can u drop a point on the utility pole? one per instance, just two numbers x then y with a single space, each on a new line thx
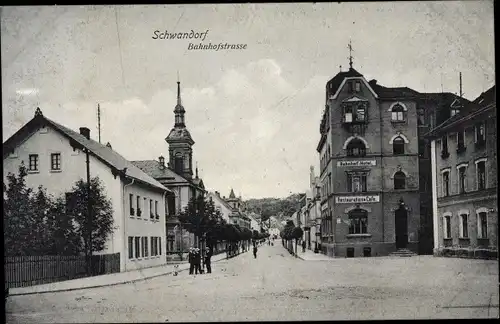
461 93
99 122
89 214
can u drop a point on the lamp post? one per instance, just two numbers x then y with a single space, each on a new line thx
89 213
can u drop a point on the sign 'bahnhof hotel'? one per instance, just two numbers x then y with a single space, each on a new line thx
375 169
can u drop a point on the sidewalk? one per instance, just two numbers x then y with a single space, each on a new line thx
106 280
309 255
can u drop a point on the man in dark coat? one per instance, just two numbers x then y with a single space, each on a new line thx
191 259
255 251
197 261
208 258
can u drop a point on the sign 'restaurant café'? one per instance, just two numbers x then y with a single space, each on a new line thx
357 199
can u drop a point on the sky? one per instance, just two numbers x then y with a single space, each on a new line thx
254 113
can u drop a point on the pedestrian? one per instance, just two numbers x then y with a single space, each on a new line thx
303 246
197 261
255 251
208 257
191 259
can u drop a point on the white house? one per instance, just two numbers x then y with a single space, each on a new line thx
56 158
254 224
221 205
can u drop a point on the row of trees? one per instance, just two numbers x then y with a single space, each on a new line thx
201 218
36 223
289 234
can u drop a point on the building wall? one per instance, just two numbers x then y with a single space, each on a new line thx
144 226
473 200
377 133
226 212
73 167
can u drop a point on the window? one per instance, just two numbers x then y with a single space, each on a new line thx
351 86
481 175
159 245
358 86
137 240
145 206
460 141
139 211
399 180
446 183
464 231
156 210
398 113
444 147
151 211
55 161
480 134
482 225
398 146
358 220
130 247
145 246
131 204
356 147
178 163
356 182
462 178
420 117
447 226
354 112
454 111
33 162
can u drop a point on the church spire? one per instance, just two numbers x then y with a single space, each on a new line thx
179 110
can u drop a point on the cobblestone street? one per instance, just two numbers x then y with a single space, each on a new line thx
277 286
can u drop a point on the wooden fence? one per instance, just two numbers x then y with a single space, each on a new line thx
23 271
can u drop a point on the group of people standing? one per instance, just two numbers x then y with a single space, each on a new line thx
195 256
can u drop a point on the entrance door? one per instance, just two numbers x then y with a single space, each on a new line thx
401 217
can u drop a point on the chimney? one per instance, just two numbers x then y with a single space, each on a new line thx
373 82
85 132
162 162
108 144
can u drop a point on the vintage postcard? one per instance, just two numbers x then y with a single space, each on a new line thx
249 162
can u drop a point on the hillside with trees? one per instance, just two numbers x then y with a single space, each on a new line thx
281 208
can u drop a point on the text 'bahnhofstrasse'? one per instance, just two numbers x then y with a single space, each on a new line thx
198 35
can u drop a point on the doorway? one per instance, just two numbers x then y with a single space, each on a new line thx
401 219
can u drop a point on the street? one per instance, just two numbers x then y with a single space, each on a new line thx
276 287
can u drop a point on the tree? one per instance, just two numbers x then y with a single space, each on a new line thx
101 212
296 234
200 217
19 219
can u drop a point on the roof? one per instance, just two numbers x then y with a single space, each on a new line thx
222 201
157 171
333 85
102 152
162 173
231 194
393 92
179 134
470 110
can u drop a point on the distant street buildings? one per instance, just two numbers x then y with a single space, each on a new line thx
464 178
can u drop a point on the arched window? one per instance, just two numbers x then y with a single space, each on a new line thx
356 147
398 146
398 113
358 221
178 163
399 180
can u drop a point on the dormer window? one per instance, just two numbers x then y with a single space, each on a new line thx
357 86
398 113
454 111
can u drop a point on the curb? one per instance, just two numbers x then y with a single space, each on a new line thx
105 285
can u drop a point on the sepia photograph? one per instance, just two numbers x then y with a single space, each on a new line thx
249 162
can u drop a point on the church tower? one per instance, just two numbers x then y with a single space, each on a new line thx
180 143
